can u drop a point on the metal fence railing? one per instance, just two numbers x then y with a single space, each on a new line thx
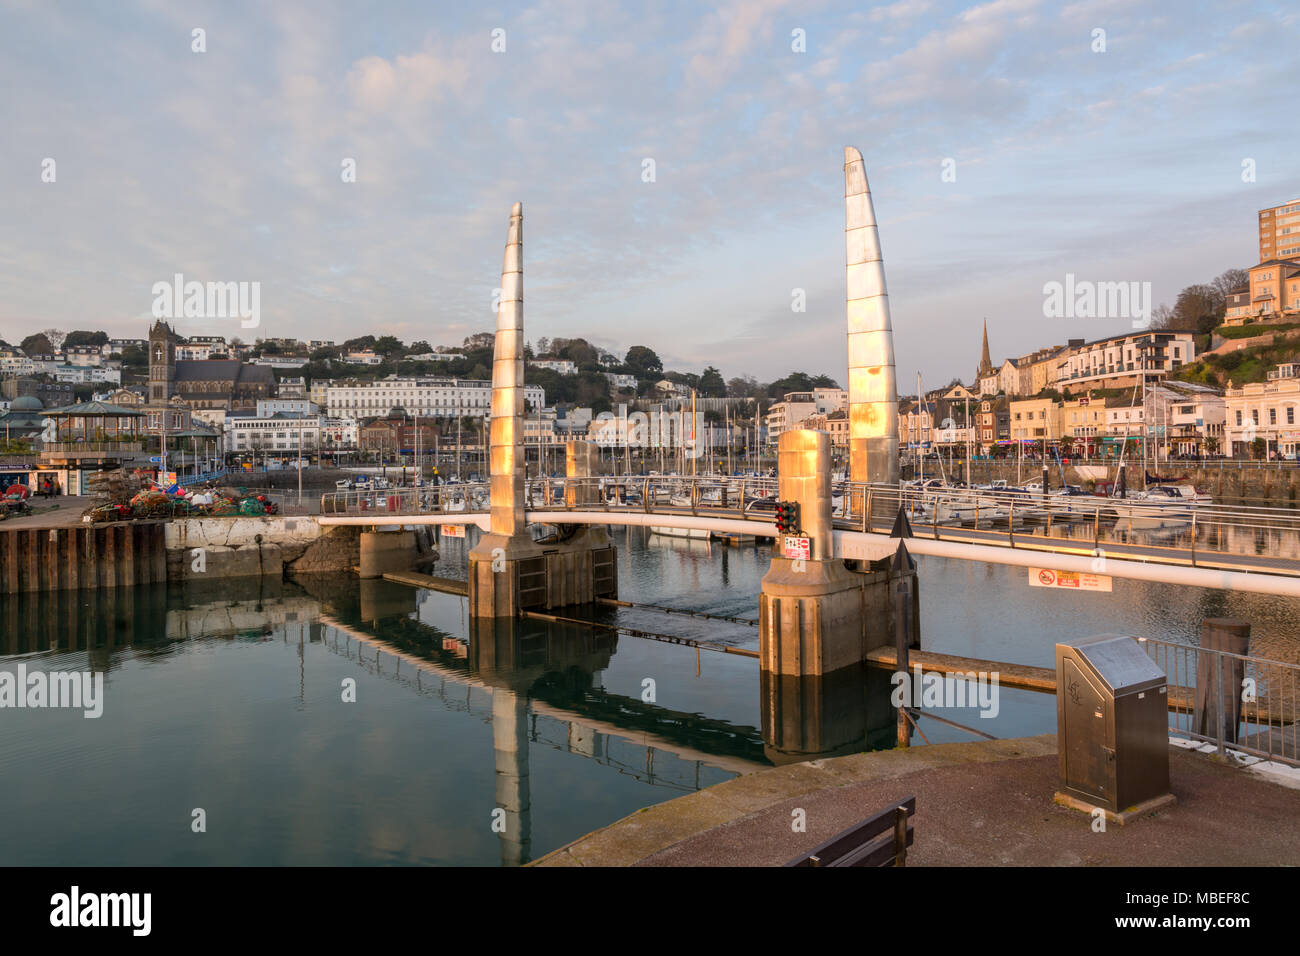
186 480
427 499
1235 701
1191 532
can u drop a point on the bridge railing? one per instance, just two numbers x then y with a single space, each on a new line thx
1197 533
426 499
1235 701
655 494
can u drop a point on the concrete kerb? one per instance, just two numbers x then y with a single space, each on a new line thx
651 829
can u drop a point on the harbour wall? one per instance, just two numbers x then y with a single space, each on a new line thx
186 551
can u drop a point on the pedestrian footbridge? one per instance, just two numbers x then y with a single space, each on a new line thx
1236 548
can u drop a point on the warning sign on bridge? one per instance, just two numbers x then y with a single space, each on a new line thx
1074 580
454 530
796 548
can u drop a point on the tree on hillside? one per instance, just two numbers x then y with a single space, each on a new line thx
794 382
1162 317
480 340
36 344
82 337
643 361
135 356
578 351
1230 281
711 384
743 386
1199 308
421 347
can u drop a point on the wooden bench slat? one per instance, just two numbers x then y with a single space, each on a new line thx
879 852
858 836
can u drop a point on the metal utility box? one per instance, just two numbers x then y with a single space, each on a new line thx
1112 722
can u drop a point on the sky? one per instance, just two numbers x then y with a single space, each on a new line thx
1007 144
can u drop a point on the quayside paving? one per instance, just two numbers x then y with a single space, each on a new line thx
977 804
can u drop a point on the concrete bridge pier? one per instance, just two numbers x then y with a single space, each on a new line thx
818 620
508 570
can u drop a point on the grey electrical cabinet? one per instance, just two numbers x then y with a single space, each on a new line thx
1112 722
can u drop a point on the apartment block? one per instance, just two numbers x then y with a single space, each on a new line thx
1279 231
1122 361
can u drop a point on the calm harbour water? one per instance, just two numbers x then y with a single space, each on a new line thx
231 702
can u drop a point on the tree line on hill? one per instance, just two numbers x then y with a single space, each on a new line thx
1200 307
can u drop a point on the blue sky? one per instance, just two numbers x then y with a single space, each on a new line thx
225 165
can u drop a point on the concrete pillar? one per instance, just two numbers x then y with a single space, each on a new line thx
384 551
810 610
582 462
873 390
817 621
493 561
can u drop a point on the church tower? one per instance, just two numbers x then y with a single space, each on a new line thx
986 361
162 363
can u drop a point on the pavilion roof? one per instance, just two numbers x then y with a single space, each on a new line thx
93 410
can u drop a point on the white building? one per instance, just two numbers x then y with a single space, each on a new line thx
363 357
448 398
198 351
621 381
1186 418
81 374
1267 411
797 407
1122 361
15 362
83 355
115 346
281 361
279 433
562 366
266 407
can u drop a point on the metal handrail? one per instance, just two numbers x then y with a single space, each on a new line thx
1000 517
1273 700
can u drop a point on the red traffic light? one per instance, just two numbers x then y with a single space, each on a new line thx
787 517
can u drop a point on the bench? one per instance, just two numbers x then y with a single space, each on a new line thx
881 840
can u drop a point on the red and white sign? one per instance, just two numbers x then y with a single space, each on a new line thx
454 530
796 549
1073 580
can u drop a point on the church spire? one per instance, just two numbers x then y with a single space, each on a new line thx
986 361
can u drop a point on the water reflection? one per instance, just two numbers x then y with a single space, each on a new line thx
472 743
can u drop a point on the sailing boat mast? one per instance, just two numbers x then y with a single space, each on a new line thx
695 448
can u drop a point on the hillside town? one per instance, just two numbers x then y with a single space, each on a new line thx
1216 376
